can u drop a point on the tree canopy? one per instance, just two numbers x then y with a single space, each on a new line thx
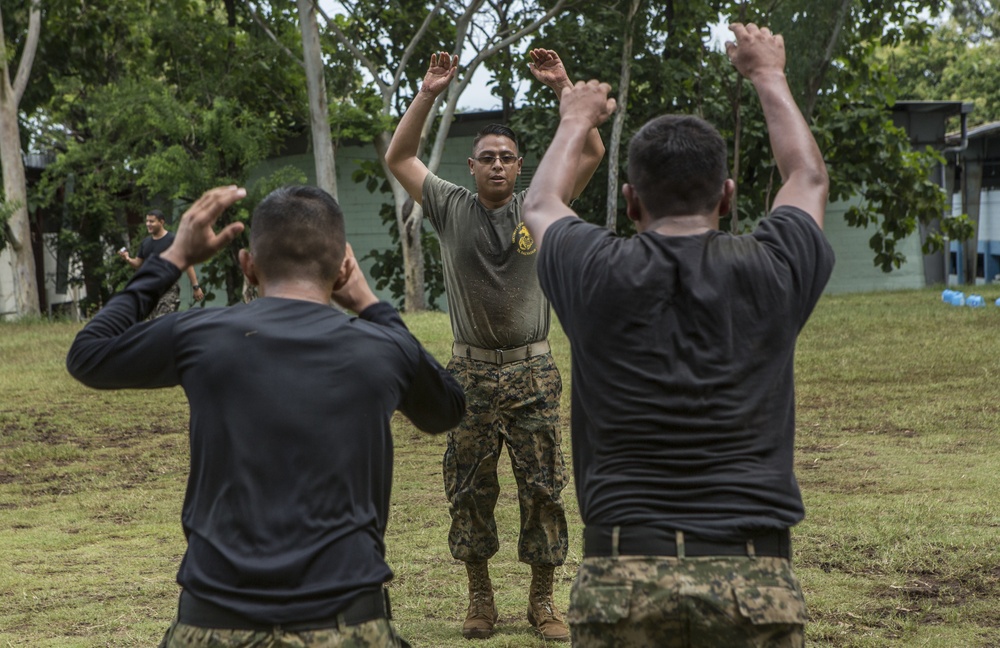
151 103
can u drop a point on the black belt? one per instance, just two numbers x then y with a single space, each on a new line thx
649 541
364 607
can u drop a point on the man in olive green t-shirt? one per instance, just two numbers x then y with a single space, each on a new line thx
500 320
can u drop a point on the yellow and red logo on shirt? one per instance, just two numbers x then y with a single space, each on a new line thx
522 239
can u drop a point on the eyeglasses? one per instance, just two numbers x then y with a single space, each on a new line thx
488 160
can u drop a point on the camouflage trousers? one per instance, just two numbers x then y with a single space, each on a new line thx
655 601
371 634
169 302
516 404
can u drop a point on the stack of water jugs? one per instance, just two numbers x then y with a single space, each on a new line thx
958 298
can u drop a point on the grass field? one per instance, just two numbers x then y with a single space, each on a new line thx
898 457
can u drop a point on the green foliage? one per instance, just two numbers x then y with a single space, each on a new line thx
383 30
7 209
958 63
387 268
158 104
840 83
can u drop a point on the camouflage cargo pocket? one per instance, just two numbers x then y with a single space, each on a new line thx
766 605
604 604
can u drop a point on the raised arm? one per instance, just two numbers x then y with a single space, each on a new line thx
548 68
402 156
759 56
582 108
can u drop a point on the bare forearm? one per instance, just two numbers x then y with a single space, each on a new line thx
792 142
592 153
554 181
590 159
405 142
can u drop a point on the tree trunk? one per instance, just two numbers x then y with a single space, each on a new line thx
815 80
22 272
409 221
611 218
319 115
413 257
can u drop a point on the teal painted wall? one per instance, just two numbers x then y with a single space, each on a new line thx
854 270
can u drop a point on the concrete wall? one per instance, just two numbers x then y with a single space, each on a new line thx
855 270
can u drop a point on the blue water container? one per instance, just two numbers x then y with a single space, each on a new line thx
975 301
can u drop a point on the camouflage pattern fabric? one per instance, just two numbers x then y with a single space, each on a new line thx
516 404
371 634
737 602
169 302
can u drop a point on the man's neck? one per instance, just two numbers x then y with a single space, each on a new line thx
494 204
301 290
158 235
688 225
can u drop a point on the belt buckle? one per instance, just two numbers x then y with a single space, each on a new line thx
499 356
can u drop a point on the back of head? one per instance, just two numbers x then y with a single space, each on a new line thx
677 166
297 232
495 129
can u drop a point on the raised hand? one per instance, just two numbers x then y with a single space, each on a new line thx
588 102
440 72
196 241
548 68
756 50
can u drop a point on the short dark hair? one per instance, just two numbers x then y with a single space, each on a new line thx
298 231
677 165
495 129
157 213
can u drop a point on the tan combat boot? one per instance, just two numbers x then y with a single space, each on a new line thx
542 612
482 614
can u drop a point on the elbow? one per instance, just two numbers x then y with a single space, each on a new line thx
392 161
815 179
530 209
449 419
532 215
820 180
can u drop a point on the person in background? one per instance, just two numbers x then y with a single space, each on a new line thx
159 239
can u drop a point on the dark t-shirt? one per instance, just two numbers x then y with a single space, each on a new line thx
683 346
291 451
151 247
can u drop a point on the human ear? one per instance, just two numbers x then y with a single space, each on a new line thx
633 206
728 190
347 267
248 267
